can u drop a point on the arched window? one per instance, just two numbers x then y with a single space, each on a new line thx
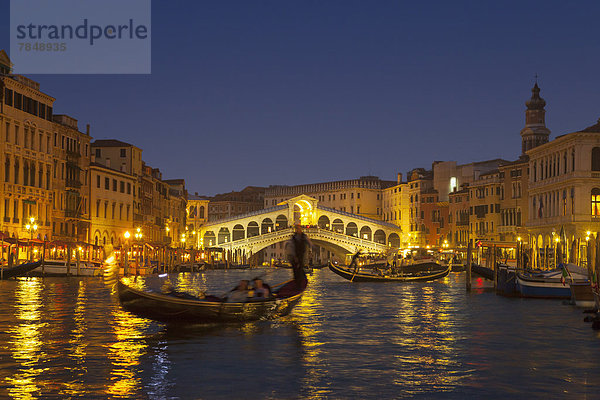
201 213
596 202
596 159
7 169
32 174
16 172
25 173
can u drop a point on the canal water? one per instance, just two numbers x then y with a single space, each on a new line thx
68 338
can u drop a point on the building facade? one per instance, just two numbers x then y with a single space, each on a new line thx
227 205
28 141
564 192
112 200
363 196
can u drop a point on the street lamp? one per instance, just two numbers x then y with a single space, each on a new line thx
31 227
138 237
126 235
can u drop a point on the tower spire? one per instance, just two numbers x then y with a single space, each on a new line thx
535 132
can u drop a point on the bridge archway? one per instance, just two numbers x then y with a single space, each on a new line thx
238 232
224 235
266 226
337 225
210 238
394 240
379 236
323 222
303 212
253 229
281 222
351 229
365 233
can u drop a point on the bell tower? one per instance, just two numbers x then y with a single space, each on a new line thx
535 132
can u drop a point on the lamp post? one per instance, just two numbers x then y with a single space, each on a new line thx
557 243
126 235
31 227
138 239
587 244
518 255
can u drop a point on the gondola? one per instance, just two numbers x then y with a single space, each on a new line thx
19 270
482 271
411 273
179 307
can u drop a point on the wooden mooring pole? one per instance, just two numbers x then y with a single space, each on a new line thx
469 262
495 265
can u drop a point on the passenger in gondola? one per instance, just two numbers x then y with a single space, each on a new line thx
261 289
240 293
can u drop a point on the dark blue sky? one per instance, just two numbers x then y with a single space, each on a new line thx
290 92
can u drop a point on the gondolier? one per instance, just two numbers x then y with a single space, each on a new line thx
297 246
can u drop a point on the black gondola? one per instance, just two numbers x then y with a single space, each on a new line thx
410 273
484 272
210 309
19 270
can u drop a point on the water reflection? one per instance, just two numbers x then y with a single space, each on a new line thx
25 340
67 338
125 353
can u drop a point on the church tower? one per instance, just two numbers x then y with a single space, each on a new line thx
535 132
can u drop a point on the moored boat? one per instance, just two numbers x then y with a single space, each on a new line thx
482 271
19 270
412 273
64 268
549 284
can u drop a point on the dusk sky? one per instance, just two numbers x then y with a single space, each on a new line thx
292 92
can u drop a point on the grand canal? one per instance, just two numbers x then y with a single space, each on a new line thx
68 338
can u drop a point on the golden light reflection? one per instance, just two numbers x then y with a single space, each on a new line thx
26 343
77 344
432 340
309 311
125 353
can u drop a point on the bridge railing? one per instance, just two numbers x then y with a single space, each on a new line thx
356 241
314 232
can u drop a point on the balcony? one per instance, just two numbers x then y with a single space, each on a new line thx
138 218
72 214
73 155
73 183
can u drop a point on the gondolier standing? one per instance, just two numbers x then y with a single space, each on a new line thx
297 246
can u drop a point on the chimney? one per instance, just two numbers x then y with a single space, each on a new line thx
87 129
399 178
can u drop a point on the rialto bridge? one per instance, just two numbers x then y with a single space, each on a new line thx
337 231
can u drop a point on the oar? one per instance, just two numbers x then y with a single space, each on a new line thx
354 258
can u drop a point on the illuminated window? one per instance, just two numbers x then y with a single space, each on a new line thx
596 202
453 184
